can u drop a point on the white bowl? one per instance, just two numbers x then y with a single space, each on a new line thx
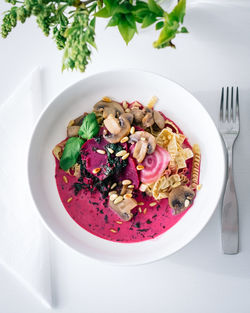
177 104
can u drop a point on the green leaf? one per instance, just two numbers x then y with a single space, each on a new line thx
141 13
168 32
184 30
148 20
114 20
155 8
138 19
131 20
109 4
92 22
71 152
159 25
140 5
114 6
89 128
125 30
122 8
103 13
178 12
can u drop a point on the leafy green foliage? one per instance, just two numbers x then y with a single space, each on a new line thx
71 152
72 23
159 25
171 27
90 127
148 20
155 8
126 28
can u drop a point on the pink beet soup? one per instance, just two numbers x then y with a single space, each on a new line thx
90 210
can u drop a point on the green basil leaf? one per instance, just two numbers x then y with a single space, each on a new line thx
148 20
155 8
125 30
159 25
103 13
89 127
178 12
71 152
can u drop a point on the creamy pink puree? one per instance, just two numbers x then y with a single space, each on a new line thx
91 212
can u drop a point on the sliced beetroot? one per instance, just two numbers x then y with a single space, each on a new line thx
138 128
154 165
130 172
94 159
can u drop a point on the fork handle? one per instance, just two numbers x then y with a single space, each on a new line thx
229 214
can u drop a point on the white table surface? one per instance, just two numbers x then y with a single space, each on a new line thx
199 278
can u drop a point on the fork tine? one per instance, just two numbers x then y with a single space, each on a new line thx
237 115
221 105
232 105
227 100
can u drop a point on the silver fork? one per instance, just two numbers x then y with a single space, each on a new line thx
229 127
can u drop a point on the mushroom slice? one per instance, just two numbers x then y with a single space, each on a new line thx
148 119
138 115
129 117
180 198
74 125
72 131
140 151
108 108
159 119
123 208
78 121
58 149
112 124
124 130
150 139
